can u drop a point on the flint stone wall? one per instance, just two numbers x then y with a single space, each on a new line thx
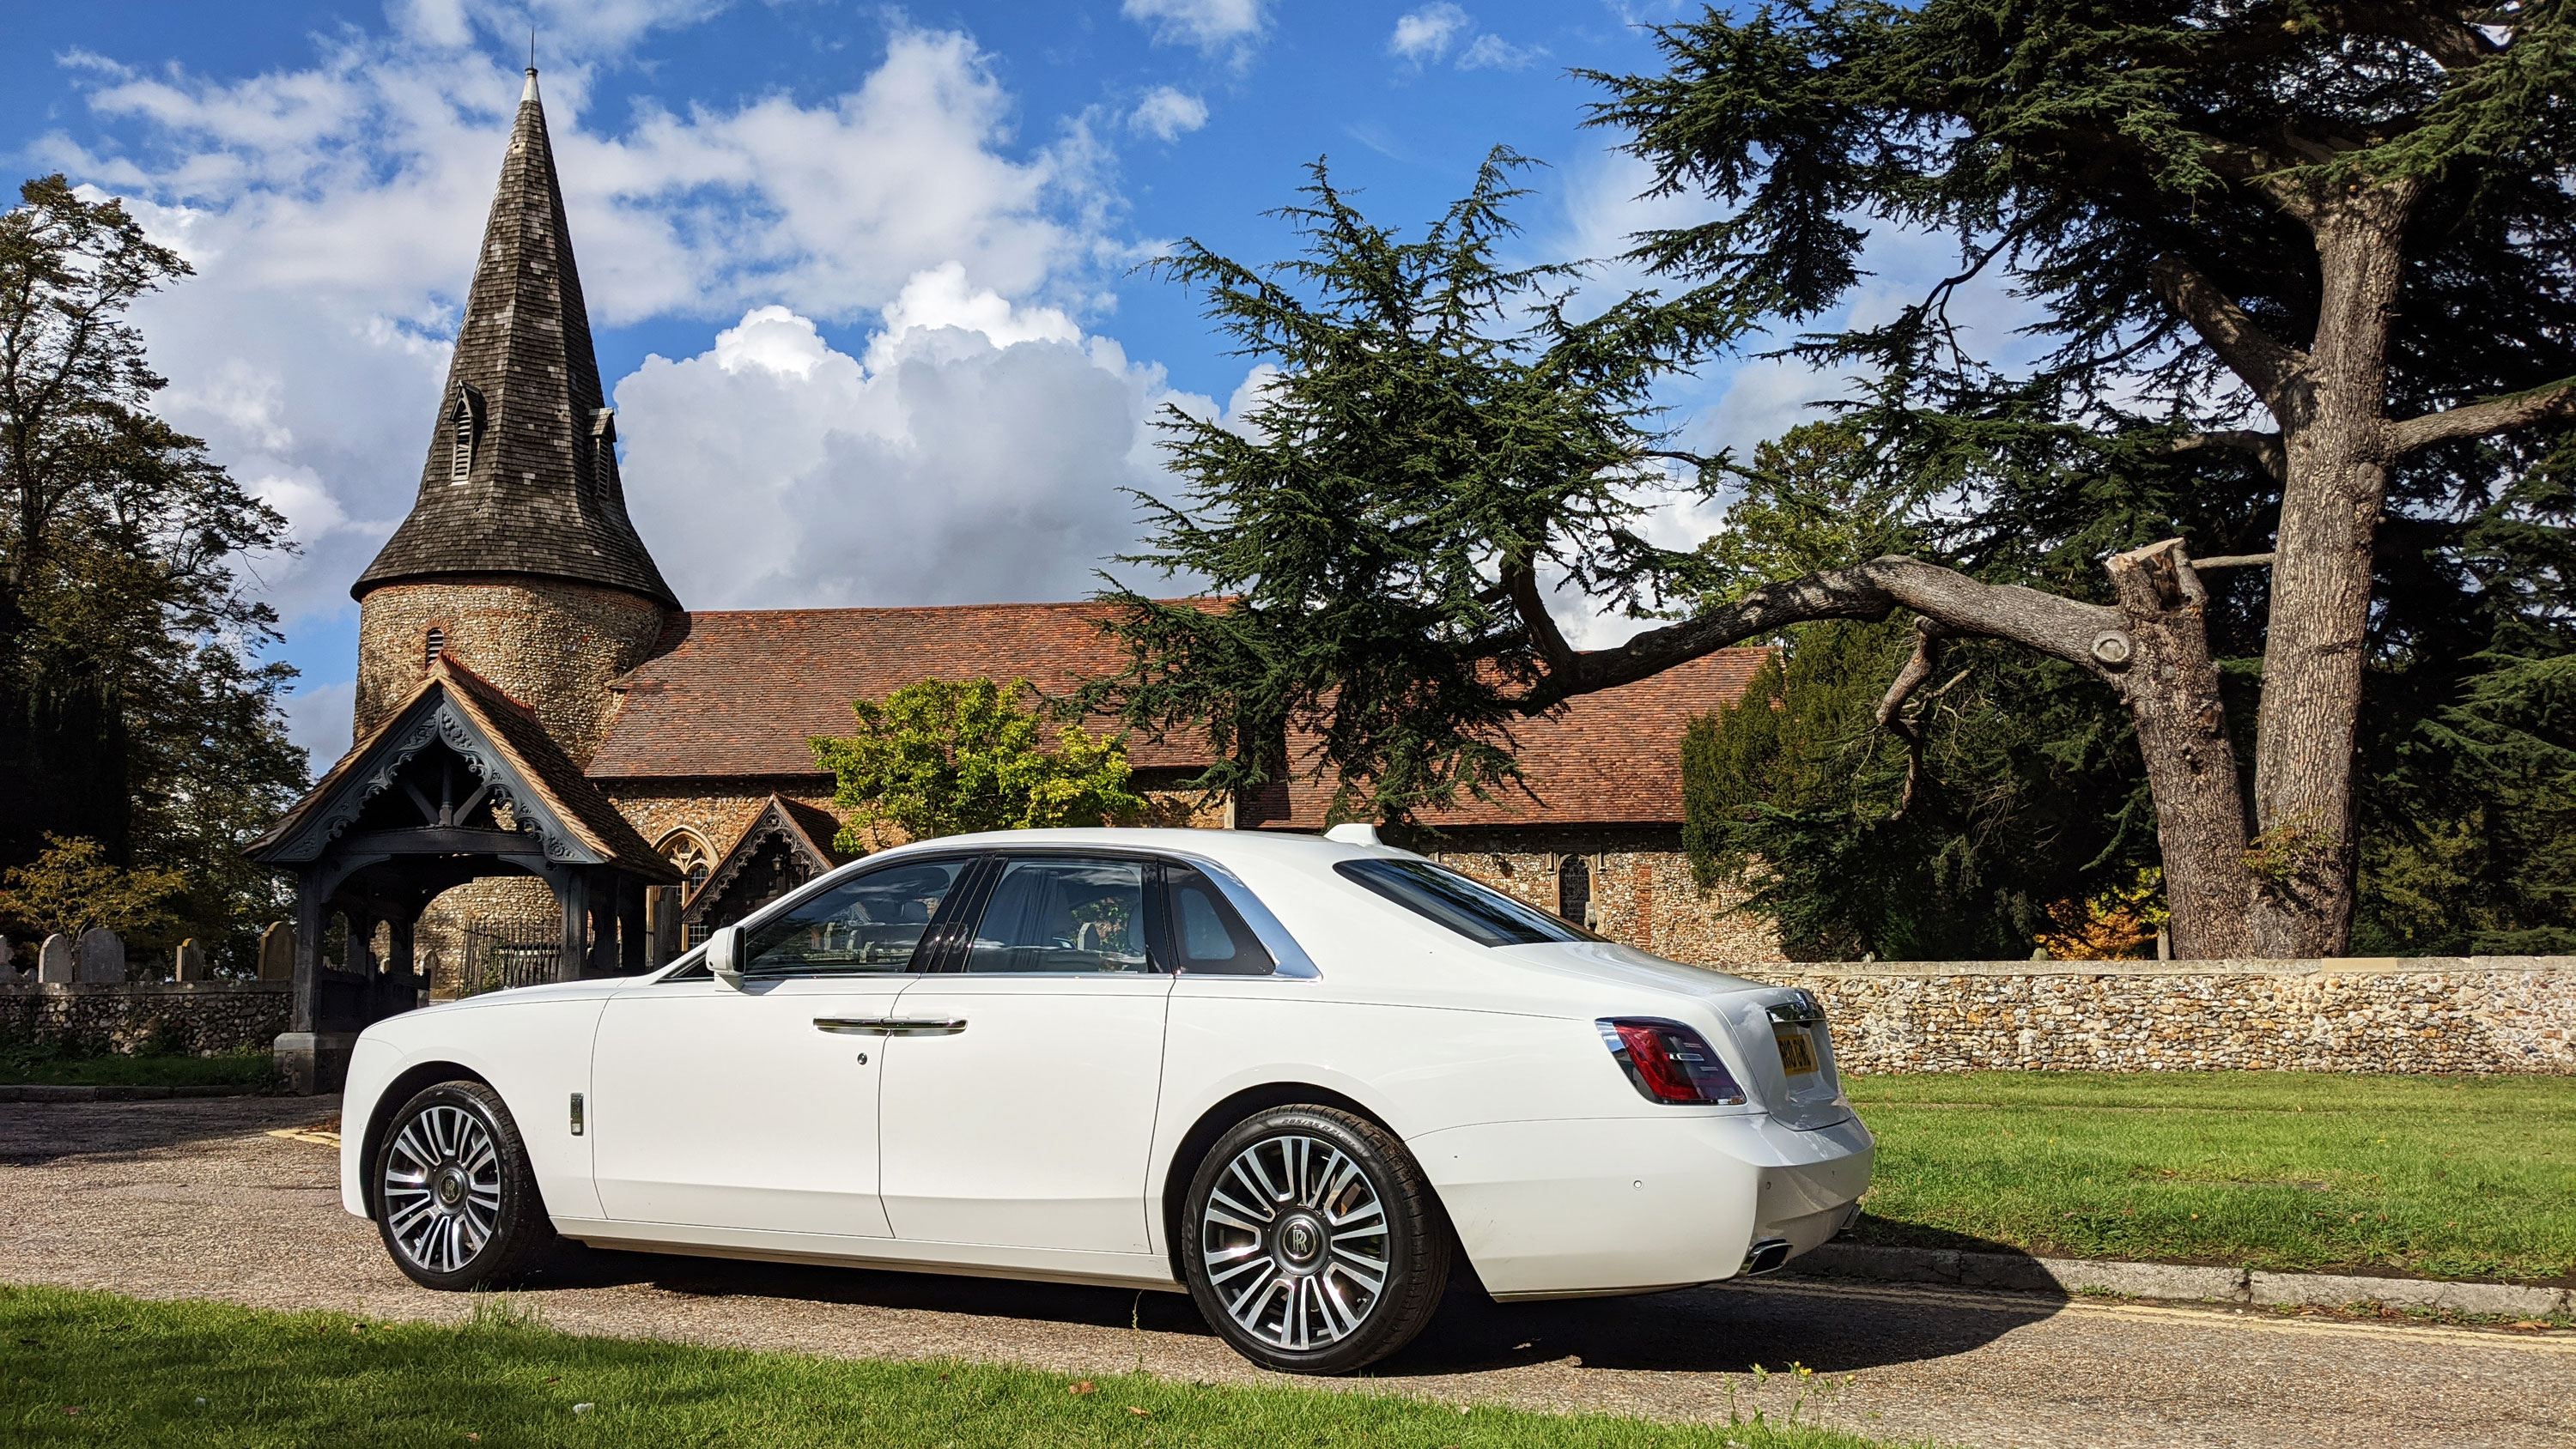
198 1017
2435 1014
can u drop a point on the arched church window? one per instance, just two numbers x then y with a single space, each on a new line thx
689 855
432 645
1574 890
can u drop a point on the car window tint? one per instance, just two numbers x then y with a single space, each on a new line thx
872 922
1063 914
1479 913
1207 935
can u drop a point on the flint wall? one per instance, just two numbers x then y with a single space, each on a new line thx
174 1016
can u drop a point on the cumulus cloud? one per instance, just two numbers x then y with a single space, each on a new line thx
1211 25
1168 113
320 718
332 214
1426 34
1492 52
972 450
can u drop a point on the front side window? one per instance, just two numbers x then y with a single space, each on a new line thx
1063 914
1479 913
1207 936
871 923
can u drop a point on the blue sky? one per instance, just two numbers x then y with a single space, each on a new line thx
861 276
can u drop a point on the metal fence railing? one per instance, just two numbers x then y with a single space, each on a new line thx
495 958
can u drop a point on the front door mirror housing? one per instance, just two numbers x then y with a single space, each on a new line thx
724 955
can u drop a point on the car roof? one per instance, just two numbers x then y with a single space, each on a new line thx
1225 846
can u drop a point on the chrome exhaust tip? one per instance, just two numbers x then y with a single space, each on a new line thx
1766 1256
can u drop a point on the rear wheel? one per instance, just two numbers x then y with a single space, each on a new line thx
1314 1244
455 1201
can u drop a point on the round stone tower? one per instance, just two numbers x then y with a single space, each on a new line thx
518 560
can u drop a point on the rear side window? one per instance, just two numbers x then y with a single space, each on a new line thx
1208 938
1479 913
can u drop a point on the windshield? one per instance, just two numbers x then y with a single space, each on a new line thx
1480 913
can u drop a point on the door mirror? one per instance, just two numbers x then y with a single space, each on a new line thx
724 955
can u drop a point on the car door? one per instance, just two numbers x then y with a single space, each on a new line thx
755 1105
1026 1121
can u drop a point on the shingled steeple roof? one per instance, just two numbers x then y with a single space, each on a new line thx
522 471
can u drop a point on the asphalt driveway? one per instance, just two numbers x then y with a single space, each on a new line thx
196 1199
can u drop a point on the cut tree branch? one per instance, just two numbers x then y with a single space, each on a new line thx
2263 448
1927 657
2250 352
2546 404
2089 636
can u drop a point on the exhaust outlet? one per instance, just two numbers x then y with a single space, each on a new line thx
1766 1256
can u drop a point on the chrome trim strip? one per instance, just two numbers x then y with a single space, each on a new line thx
891 1025
1289 958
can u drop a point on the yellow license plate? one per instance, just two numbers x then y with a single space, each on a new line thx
1797 1054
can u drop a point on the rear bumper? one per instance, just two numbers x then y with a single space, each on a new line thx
1630 1205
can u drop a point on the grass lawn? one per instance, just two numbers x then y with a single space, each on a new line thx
93 1368
24 1065
2443 1177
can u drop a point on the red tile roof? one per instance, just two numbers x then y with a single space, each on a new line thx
739 693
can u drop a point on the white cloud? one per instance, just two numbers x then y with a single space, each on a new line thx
320 717
1211 25
332 214
1492 52
973 451
1426 34
1168 113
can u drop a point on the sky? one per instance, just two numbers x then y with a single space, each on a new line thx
863 278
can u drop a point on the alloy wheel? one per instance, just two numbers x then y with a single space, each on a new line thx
1294 1242
441 1188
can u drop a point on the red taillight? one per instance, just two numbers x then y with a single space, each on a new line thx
1669 1062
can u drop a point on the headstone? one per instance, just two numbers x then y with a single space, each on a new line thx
8 966
192 960
277 952
54 959
102 955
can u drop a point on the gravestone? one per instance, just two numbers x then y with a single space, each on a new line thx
54 959
102 955
8 965
277 952
191 960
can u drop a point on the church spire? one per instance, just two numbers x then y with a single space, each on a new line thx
522 470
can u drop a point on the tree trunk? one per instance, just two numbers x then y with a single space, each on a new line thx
2172 690
2335 439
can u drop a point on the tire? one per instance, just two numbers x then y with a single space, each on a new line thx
1290 1217
456 1203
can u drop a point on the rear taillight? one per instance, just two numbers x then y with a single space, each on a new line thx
1669 1062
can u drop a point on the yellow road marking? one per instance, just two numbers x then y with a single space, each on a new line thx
306 1134
2251 1319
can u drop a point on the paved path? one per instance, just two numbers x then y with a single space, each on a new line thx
193 1199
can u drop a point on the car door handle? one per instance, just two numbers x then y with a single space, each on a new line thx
891 1025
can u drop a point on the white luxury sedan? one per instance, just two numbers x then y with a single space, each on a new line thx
1297 1078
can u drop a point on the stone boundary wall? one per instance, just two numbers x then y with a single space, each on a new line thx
199 1017
2434 1014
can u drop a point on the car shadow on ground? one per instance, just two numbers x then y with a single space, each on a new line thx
35 1133
1773 1323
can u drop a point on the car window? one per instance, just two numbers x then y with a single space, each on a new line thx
1207 935
1479 913
873 923
1063 914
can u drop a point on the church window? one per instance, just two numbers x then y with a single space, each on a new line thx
689 855
1574 890
433 646
465 432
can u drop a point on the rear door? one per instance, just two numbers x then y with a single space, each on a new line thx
756 1106
1019 1107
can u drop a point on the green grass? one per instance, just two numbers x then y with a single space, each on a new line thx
28 1065
204 1374
2437 1176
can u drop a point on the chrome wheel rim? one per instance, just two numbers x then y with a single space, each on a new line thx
442 1189
1294 1241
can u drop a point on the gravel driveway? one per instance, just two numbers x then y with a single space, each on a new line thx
193 1199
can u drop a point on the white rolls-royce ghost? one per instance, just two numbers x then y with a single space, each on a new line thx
1294 1077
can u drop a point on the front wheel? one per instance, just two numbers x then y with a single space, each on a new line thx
456 1202
1313 1243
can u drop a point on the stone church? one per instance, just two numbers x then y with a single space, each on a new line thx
559 769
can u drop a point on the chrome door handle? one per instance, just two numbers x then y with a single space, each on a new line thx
891 1025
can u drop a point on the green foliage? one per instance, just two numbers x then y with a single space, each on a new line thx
937 758
73 887
1432 421
134 711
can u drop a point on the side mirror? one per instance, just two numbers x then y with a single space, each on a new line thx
724 955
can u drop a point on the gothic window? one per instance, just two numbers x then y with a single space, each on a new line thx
464 431
690 856
433 646
1574 890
